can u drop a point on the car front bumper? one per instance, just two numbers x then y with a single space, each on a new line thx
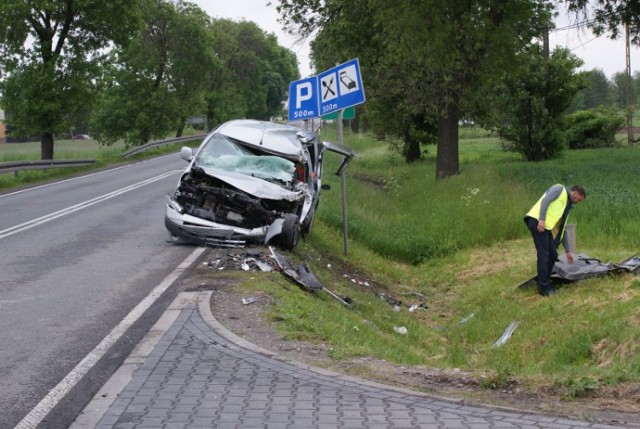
203 232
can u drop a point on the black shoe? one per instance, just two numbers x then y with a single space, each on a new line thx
547 291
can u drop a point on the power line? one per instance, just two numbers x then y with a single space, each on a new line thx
583 44
574 25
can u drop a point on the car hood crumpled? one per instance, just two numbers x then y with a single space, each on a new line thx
252 185
277 139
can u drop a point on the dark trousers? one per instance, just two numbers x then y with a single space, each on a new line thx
546 252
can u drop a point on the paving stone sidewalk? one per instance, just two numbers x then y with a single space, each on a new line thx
198 375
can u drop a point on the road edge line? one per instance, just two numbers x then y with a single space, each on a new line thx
40 411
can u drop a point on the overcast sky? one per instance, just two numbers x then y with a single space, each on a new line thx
601 53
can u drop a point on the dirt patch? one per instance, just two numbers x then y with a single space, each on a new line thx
484 263
615 405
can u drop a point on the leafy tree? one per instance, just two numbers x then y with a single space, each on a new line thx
528 114
619 86
159 78
598 92
593 128
50 51
356 32
251 74
192 57
439 51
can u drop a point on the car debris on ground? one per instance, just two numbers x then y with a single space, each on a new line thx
274 261
250 300
253 259
401 330
466 319
584 267
506 335
397 304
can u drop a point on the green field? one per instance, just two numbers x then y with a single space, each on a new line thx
71 149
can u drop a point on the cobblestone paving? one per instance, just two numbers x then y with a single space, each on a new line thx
194 378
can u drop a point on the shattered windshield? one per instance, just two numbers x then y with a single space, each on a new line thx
222 153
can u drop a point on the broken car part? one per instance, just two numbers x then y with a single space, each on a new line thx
584 267
400 330
506 335
466 319
304 277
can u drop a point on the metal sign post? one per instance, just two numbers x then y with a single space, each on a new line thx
343 190
331 91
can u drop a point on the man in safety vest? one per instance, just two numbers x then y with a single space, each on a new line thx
547 220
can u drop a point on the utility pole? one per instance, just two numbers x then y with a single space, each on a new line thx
545 42
629 89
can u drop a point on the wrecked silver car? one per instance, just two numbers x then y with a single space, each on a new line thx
250 182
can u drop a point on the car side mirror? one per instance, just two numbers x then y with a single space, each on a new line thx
186 153
326 187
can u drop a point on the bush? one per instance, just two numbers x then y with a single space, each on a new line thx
594 128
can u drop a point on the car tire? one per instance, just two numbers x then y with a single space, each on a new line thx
288 238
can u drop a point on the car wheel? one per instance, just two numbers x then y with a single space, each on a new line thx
288 238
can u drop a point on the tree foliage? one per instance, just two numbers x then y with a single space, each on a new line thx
593 128
597 93
251 74
49 53
158 79
620 86
532 98
426 59
609 16
135 69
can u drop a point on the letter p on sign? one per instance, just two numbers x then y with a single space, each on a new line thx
304 92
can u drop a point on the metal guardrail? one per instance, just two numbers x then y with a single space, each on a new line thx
138 149
16 166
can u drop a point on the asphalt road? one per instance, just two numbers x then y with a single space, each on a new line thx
75 257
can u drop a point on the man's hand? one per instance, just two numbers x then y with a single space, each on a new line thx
569 257
541 225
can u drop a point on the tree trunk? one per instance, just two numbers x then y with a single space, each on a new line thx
209 118
412 147
447 163
364 126
355 125
181 127
46 146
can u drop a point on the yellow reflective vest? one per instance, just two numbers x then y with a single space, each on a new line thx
555 210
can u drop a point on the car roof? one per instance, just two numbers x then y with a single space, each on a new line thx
276 138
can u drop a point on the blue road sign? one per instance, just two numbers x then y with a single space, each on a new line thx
303 99
340 87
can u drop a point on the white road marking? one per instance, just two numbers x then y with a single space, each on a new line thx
37 414
46 185
83 205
